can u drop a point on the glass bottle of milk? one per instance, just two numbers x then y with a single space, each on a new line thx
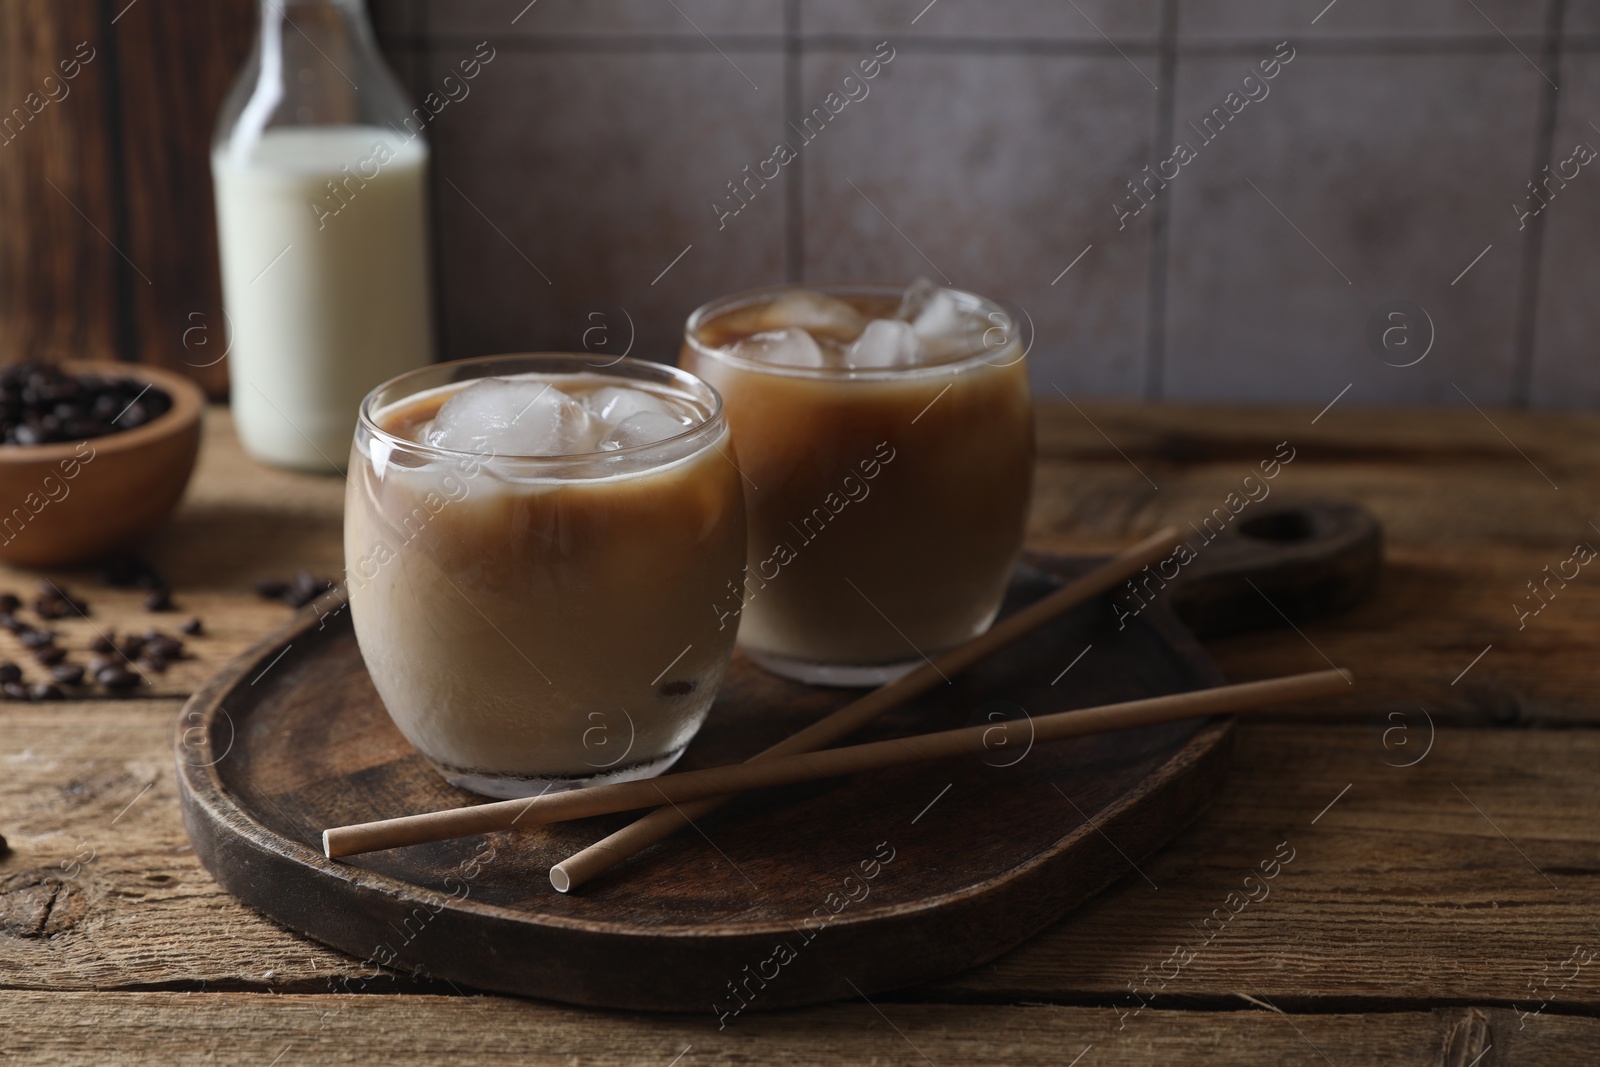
319 165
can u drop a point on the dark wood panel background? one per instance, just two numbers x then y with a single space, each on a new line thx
109 247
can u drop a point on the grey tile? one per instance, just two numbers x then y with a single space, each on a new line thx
1000 170
1566 372
979 19
1310 20
1391 174
1581 16
598 169
689 18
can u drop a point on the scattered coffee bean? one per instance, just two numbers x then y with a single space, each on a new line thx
49 655
164 645
305 588
271 589
5 846
55 602
10 672
13 690
41 403
67 673
152 663
128 572
38 638
103 642
46 691
116 678
100 663
9 603
14 624
194 627
160 600
131 645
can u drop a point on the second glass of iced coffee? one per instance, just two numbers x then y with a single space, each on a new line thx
885 438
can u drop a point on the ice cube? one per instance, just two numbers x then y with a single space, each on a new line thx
818 313
512 417
641 428
611 405
792 347
949 324
915 298
884 343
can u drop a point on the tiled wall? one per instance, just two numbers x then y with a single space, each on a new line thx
575 181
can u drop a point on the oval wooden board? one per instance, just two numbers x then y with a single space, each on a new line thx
767 902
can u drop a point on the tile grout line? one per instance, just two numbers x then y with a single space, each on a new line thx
1533 247
1156 291
1219 47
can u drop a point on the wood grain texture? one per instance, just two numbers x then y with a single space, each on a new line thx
175 60
178 1028
60 271
1401 895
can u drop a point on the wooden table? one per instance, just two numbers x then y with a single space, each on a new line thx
1446 912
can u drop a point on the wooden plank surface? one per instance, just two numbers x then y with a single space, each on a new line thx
1402 893
1467 880
179 1028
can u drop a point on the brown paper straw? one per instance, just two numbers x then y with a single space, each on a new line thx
811 766
664 822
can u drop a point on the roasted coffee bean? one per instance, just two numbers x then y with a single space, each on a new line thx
10 672
305 588
67 673
103 642
131 645
50 607
46 691
100 663
130 571
14 624
41 403
121 572
164 645
9 603
13 690
116 678
49 655
271 589
153 663
5 846
38 638
160 600
57 590
194 627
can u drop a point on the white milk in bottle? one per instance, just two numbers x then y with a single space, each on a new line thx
320 173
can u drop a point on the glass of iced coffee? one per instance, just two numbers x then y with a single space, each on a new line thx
885 438
531 543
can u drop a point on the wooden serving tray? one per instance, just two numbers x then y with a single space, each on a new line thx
798 895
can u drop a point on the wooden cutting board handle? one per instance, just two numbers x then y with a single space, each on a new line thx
1298 559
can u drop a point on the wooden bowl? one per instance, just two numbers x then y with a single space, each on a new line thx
70 502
